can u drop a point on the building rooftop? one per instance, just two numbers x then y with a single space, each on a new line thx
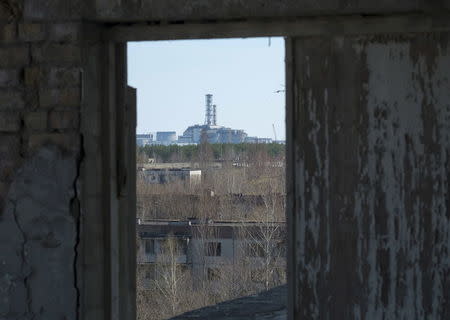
164 222
267 305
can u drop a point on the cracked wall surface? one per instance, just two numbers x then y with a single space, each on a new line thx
38 240
40 99
369 144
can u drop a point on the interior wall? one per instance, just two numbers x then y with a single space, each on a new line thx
40 157
368 149
187 10
371 148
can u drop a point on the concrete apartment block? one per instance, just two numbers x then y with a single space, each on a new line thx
367 149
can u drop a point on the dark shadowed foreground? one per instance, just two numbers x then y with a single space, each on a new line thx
268 305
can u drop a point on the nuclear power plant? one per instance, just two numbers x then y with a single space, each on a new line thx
210 132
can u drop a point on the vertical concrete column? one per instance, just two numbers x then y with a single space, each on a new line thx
370 157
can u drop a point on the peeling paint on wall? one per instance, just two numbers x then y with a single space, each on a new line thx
372 162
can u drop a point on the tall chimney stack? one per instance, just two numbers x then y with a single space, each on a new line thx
209 110
214 115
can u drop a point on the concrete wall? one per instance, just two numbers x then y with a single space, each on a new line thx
368 148
177 10
372 176
40 99
38 239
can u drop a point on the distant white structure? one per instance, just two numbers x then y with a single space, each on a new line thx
144 139
210 131
258 140
166 137
163 176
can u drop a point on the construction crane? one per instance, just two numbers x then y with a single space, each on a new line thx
274 132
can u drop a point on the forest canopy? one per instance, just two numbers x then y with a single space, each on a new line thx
215 152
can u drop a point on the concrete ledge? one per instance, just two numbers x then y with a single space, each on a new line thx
268 305
188 10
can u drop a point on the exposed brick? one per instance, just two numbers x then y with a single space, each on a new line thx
9 121
8 32
68 141
32 76
53 77
63 119
63 77
53 9
59 97
9 77
11 100
57 54
32 31
9 143
16 56
36 120
5 15
64 32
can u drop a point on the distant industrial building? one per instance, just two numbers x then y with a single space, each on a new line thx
162 176
166 137
210 131
144 139
258 140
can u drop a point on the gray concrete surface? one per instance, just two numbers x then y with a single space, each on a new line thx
267 305
368 159
188 10
38 240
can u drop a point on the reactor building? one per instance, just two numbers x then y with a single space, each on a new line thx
210 131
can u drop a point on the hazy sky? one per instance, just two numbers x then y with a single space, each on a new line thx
172 78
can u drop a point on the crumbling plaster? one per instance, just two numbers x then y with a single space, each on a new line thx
38 239
369 144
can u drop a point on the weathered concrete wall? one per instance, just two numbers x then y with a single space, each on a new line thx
372 177
38 240
189 10
370 147
173 10
40 98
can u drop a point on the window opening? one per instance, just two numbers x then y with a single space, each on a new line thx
149 246
210 171
213 249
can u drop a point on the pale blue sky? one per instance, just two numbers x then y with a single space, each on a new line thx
172 78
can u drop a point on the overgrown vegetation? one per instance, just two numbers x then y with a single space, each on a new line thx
248 185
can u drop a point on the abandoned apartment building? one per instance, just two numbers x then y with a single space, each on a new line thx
207 249
169 173
219 207
368 139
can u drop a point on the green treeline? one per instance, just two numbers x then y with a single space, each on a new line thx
214 152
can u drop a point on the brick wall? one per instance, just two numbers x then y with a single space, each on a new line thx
40 100
40 95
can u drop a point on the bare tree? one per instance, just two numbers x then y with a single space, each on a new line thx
251 192
171 278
